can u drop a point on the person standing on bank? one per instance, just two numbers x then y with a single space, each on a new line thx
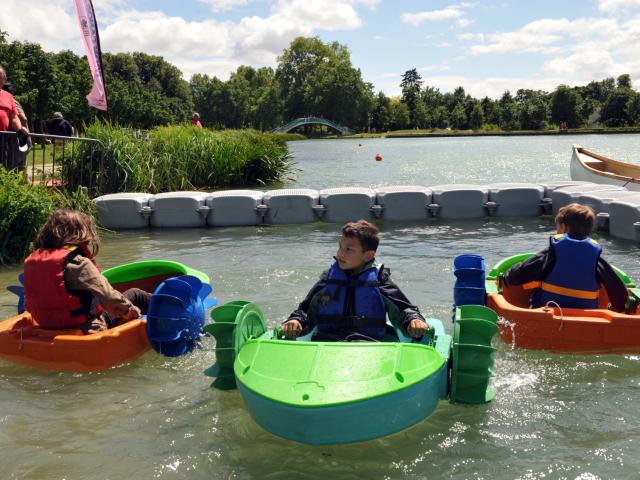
9 119
7 87
59 126
195 120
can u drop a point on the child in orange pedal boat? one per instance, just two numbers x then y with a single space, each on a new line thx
571 270
63 285
352 299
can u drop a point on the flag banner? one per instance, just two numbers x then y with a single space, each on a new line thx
97 97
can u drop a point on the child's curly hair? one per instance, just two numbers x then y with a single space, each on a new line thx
68 227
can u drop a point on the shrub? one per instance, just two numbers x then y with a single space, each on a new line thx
23 210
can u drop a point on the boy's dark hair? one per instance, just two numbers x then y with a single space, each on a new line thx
578 218
364 231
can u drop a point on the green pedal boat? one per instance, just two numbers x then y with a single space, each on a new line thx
341 392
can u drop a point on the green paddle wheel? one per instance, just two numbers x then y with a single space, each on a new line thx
234 324
472 354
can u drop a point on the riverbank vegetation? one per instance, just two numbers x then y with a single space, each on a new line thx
490 132
23 210
180 157
312 78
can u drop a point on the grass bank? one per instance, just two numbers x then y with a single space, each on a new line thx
182 158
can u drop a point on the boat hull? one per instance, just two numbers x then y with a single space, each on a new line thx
352 422
561 329
590 167
569 330
23 342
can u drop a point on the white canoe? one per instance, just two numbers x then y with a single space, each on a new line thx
591 167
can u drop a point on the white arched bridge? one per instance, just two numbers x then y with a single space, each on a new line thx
313 121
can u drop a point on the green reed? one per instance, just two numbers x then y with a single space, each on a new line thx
181 158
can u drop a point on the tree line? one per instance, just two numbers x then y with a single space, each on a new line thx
312 78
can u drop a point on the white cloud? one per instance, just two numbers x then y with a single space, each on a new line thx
547 25
471 36
612 5
547 36
50 23
319 14
464 23
589 60
223 5
372 4
213 45
418 18
522 41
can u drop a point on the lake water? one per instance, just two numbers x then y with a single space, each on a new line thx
554 416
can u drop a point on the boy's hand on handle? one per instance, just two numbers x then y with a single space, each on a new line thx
291 328
417 328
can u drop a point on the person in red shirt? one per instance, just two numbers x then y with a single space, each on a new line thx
195 120
9 119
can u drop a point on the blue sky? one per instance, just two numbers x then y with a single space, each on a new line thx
485 46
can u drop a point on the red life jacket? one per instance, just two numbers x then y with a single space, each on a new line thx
47 298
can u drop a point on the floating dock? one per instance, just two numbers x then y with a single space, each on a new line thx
617 209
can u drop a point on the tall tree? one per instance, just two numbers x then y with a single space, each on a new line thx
533 109
381 113
295 66
318 79
410 85
476 118
508 112
565 105
400 118
633 108
614 110
624 81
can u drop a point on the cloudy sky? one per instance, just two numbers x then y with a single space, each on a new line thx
486 46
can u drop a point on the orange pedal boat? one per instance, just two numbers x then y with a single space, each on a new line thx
561 329
23 342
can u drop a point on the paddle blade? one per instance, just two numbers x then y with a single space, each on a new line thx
205 290
210 303
212 371
227 382
16 289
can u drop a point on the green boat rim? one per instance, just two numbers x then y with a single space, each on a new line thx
130 272
266 387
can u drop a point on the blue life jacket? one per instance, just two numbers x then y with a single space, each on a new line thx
368 313
572 281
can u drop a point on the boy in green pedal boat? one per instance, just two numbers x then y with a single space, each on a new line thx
570 271
352 299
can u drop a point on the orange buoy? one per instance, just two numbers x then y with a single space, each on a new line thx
378 157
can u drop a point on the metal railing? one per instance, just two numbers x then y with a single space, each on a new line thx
55 161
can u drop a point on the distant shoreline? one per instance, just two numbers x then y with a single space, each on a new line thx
419 134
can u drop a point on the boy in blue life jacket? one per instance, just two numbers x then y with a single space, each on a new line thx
570 271
352 299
